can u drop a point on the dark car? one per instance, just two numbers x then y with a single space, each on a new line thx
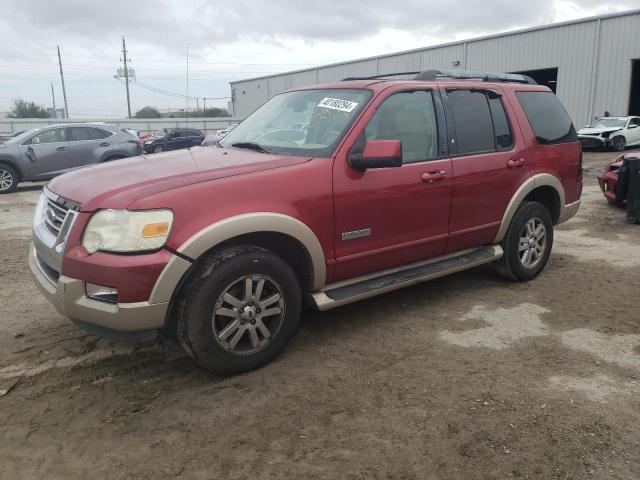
173 139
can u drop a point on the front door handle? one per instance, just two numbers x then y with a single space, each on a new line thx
435 176
516 163
105 144
62 149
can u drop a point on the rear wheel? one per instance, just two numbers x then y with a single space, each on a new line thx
527 243
8 179
239 310
618 143
158 149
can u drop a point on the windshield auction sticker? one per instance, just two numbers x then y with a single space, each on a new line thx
337 104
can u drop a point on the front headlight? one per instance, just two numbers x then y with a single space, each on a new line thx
127 231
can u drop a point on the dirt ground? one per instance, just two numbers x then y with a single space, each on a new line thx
465 377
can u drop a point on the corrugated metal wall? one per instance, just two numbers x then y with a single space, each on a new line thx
593 59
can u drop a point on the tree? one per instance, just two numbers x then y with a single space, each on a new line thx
24 109
148 112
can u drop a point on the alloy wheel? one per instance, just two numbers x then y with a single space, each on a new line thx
6 180
533 243
248 314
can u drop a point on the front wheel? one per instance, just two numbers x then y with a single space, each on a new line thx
239 310
158 149
618 143
527 243
8 179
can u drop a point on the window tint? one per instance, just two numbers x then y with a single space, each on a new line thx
547 116
88 133
472 118
501 128
635 121
411 118
178 133
48 136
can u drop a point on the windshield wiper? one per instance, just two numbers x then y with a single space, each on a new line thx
251 146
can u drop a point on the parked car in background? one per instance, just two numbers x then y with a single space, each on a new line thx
214 138
42 153
609 178
173 139
615 133
394 182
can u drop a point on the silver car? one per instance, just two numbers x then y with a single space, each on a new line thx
42 153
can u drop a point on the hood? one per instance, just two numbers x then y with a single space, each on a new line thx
597 130
120 183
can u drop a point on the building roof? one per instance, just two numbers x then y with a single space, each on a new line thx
449 44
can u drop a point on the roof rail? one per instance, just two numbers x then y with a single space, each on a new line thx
374 77
430 75
484 76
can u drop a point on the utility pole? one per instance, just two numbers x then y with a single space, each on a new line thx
204 106
126 75
187 97
53 96
64 90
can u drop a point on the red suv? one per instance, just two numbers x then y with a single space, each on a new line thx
329 194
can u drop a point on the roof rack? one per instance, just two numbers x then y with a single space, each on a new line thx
430 75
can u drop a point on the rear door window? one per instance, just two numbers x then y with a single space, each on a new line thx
88 133
548 118
481 123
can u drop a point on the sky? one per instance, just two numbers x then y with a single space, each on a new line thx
227 41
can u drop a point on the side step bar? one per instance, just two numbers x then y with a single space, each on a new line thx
353 290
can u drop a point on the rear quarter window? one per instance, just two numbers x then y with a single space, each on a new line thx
548 118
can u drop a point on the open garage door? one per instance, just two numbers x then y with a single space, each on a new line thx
634 94
544 76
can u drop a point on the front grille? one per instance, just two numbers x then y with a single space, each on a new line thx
590 142
54 215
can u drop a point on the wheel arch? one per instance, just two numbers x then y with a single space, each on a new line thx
13 164
544 188
286 236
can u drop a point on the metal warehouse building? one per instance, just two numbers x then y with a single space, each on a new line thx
592 64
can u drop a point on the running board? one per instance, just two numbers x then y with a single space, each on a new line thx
353 290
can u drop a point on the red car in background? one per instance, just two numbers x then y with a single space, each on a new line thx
609 178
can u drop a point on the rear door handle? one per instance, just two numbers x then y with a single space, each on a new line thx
435 176
62 149
516 163
105 144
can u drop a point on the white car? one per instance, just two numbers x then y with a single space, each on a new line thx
615 133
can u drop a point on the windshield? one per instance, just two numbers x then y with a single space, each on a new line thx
305 122
610 123
23 136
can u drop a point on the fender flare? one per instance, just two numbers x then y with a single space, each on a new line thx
207 238
539 180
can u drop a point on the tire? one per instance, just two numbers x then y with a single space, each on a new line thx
208 323
512 265
115 157
618 143
158 149
9 179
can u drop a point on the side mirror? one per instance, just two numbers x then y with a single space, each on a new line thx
634 126
378 154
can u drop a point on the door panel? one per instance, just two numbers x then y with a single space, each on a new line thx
45 154
489 163
393 216
86 146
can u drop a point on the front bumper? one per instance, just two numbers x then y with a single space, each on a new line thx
607 184
68 296
593 141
